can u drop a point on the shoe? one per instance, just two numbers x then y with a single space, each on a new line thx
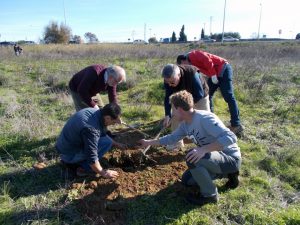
236 129
70 166
201 200
80 172
175 147
233 180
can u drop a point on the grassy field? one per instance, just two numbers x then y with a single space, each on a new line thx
34 105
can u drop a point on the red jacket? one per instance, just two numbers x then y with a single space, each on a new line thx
89 82
207 63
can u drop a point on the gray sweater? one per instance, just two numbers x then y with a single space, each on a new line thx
205 129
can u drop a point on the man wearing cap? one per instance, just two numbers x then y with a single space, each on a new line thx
183 77
93 79
219 72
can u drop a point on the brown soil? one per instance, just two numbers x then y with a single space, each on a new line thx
103 200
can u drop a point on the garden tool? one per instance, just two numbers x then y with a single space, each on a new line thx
133 128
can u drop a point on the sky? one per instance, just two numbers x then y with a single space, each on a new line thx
117 20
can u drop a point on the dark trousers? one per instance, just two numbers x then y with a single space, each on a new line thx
226 88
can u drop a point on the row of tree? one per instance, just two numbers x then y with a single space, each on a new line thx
56 34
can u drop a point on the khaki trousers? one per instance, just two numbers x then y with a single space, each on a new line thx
80 104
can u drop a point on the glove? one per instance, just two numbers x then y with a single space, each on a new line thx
214 79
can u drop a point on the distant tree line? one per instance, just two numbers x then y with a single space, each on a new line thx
59 34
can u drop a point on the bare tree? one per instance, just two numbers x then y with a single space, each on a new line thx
90 37
57 34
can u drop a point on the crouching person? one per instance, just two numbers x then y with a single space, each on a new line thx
83 140
216 154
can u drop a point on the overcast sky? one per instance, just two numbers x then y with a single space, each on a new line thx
116 20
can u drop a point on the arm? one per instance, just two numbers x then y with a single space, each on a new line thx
90 138
112 94
168 93
198 92
214 127
172 138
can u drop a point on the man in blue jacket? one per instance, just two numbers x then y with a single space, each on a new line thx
83 139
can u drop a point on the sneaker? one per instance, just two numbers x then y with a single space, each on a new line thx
201 200
236 129
176 147
80 172
233 180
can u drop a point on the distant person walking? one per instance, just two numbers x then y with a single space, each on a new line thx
93 79
17 49
219 72
183 77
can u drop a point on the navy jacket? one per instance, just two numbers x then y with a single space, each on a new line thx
81 133
192 81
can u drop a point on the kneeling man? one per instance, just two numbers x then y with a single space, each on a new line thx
83 139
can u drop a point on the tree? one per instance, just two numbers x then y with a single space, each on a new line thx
173 38
77 39
218 36
152 40
202 34
182 35
90 37
57 34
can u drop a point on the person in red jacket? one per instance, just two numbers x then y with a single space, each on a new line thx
93 79
219 73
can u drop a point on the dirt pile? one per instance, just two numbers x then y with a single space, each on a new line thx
105 200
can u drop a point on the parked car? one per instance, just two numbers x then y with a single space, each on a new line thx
298 36
230 39
139 41
208 40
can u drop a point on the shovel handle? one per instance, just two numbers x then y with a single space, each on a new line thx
133 128
156 136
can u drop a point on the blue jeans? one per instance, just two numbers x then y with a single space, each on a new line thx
104 145
226 88
212 166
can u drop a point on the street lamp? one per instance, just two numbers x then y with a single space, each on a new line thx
259 21
223 21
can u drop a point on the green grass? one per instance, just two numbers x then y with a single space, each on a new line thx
34 106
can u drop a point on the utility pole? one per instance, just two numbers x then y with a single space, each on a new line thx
64 12
259 21
210 22
145 28
223 21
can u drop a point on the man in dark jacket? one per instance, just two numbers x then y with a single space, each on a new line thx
88 82
83 139
178 78
219 73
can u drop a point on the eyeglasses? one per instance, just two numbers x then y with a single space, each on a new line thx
171 82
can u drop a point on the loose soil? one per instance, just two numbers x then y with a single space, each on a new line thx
104 200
